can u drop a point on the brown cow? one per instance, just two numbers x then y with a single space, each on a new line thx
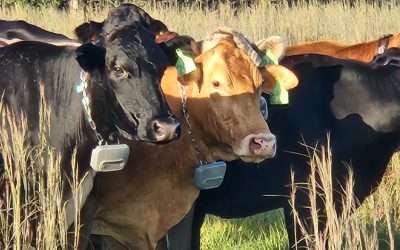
361 52
138 205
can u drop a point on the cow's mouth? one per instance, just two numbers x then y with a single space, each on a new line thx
126 123
129 128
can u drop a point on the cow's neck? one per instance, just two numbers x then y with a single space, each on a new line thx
192 133
100 114
196 135
361 51
394 41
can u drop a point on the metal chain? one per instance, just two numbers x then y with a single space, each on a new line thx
187 120
86 107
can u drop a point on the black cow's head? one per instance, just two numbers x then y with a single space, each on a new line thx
125 68
123 15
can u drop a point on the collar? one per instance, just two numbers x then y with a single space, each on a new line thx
81 87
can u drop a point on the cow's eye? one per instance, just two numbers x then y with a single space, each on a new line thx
216 84
119 72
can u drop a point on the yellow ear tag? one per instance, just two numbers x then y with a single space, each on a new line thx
279 94
185 63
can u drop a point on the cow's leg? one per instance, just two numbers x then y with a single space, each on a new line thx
1 164
291 228
186 234
179 237
198 220
103 242
295 231
86 216
162 244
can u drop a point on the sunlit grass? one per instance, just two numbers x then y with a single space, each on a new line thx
264 231
305 23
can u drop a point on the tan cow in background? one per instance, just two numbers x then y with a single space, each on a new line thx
364 52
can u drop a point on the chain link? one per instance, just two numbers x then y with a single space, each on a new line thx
86 107
187 120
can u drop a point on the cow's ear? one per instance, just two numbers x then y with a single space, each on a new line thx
276 74
184 43
194 77
273 46
90 57
157 27
89 31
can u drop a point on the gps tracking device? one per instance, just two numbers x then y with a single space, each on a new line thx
107 158
209 176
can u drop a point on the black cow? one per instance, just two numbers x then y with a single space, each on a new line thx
91 30
13 31
122 72
358 104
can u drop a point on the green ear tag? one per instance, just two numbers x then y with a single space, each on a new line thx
279 95
269 58
184 64
79 87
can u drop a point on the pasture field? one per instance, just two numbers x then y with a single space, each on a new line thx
376 225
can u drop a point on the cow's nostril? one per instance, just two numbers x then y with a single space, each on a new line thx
165 130
255 144
156 127
262 145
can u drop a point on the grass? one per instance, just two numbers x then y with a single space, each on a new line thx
264 231
32 211
376 223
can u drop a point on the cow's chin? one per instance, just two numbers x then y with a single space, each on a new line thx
253 159
246 156
231 155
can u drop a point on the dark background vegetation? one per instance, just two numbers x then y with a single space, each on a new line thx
236 5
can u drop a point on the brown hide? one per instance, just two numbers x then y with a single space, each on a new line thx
364 52
138 205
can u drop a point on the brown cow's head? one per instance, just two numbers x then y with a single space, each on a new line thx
224 99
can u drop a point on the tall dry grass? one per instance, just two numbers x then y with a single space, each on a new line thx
303 23
374 226
347 229
32 208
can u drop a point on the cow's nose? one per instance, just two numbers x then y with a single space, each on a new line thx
263 145
165 130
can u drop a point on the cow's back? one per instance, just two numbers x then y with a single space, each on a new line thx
327 88
25 31
30 70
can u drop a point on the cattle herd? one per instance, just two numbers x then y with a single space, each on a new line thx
181 104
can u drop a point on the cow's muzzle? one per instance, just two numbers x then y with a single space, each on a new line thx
164 130
257 147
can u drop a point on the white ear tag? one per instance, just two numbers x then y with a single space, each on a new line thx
107 158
